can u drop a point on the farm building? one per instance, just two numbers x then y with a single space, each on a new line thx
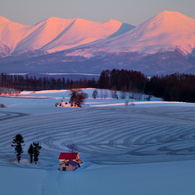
69 161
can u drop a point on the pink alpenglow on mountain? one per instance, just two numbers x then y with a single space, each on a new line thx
162 44
166 31
53 34
12 33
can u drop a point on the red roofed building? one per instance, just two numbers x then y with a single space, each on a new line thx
69 156
69 161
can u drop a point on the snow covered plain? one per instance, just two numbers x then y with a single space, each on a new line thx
148 148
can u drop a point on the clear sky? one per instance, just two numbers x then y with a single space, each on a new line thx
133 12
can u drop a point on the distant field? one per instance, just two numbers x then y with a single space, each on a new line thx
147 148
126 134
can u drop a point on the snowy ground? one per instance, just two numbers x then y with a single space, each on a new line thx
148 148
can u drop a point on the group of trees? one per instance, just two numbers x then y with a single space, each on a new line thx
20 83
174 87
122 80
8 91
115 79
33 151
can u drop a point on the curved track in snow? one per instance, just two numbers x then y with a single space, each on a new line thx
104 135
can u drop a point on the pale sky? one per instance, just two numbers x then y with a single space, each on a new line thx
133 12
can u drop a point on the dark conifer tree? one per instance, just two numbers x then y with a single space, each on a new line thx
31 152
17 144
37 148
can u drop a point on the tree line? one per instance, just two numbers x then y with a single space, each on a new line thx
122 80
173 87
20 83
116 79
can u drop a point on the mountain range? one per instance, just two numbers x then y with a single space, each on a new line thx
162 45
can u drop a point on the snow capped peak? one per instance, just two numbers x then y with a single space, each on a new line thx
81 32
3 20
167 31
11 33
172 18
169 13
54 23
56 34
112 21
55 20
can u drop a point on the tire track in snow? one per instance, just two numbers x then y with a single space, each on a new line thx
106 135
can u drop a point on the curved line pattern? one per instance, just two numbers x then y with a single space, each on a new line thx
103 135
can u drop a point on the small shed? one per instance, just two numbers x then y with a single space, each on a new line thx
69 165
69 161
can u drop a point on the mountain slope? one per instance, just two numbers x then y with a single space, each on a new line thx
82 32
11 34
158 46
166 31
54 34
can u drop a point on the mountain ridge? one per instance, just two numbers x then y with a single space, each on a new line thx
167 30
39 36
77 42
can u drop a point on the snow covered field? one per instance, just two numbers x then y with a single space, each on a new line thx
148 148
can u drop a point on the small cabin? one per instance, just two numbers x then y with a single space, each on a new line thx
69 161
69 165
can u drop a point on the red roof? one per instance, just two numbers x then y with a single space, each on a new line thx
68 156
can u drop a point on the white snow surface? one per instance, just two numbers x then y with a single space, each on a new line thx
144 148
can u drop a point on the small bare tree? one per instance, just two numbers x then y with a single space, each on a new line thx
113 92
123 94
77 98
95 94
105 94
